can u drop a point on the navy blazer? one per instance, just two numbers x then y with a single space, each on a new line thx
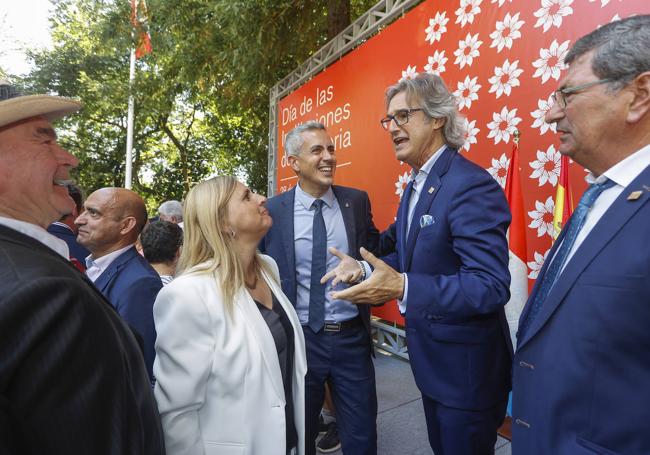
77 251
456 261
131 285
582 371
359 227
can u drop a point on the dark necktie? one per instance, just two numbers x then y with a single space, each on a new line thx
573 228
318 268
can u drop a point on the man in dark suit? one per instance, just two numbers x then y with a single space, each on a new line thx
337 333
109 227
449 273
582 367
72 378
66 230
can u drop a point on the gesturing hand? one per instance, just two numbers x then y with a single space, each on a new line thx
383 285
348 270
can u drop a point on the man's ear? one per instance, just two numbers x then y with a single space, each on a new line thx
640 104
128 224
293 162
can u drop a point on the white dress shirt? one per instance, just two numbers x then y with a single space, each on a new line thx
622 174
95 267
37 233
418 181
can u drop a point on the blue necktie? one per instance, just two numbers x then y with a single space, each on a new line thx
318 268
573 228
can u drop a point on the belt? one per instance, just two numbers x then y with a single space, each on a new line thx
335 327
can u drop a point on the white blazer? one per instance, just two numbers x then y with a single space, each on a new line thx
219 386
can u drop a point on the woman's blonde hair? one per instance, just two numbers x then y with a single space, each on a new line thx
207 239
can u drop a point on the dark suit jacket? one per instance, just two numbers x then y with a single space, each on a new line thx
72 379
458 284
77 251
359 227
582 370
131 285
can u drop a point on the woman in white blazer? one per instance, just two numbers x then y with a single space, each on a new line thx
230 354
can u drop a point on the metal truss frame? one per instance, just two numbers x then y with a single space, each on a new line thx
370 23
389 337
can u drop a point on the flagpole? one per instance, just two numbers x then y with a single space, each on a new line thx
128 177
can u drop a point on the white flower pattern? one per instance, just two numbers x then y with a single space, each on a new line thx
467 50
542 217
506 32
503 124
467 92
470 133
436 63
538 115
505 77
466 12
409 73
536 265
546 168
402 181
437 27
552 12
499 169
551 61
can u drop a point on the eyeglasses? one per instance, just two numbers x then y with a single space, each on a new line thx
560 96
400 117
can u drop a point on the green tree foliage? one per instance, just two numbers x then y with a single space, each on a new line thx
201 97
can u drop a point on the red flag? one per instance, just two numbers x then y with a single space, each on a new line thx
516 244
139 21
563 198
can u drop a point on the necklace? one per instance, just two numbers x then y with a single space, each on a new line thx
252 285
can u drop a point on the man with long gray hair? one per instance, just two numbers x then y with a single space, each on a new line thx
582 367
449 273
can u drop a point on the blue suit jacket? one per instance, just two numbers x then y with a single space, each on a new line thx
131 285
359 227
458 284
77 251
582 371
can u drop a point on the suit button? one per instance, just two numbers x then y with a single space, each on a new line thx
526 365
523 423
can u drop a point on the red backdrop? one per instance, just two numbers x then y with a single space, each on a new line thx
502 58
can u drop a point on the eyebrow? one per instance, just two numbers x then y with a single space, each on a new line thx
46 132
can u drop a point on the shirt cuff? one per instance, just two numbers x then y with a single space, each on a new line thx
401 304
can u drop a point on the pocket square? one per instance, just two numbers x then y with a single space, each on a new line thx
426 220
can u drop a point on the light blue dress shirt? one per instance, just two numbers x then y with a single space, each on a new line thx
303 220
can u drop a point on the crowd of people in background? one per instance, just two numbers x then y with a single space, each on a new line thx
232 324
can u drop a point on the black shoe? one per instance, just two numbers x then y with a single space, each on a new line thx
330 441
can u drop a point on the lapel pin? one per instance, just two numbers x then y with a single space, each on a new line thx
347 204
431 190
634 195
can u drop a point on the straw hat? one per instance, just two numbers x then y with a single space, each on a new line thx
15 106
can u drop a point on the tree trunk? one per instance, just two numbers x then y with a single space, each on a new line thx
338 17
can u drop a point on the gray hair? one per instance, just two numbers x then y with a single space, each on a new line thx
172 208
293 141
621 50
434 98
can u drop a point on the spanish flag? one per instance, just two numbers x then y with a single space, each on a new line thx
563 198
139 21
516 244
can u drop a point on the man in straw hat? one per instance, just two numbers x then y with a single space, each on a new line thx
72 378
